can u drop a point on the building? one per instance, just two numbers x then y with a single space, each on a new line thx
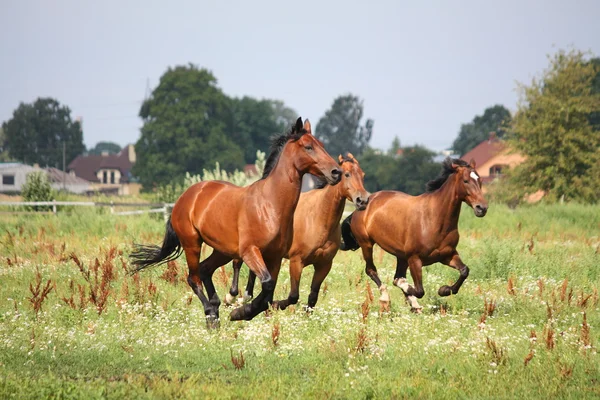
108 173
13 176
492 157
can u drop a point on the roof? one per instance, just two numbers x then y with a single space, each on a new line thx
484 151
57 176
86 167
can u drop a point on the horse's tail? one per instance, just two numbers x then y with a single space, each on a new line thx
348 240
144 256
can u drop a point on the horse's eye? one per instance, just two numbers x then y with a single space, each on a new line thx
308 147
466 181
347 174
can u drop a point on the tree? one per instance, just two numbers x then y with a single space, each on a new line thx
340 130
108 147
552 129
494 119
4 156
393 150
36 133
256 121
186 124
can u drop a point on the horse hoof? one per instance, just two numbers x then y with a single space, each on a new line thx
229 299
445 291
239 314
212 322
246 298
385 296
417 310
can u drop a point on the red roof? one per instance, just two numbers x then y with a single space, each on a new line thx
484 151
86 167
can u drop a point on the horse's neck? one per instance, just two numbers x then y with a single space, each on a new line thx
331 205
447 205
284 183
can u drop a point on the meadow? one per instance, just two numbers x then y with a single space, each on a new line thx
526 323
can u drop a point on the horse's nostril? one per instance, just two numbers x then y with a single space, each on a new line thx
336 172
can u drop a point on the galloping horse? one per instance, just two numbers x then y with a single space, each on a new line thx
418 230
316 233
253 223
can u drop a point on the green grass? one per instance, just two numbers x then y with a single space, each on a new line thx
151 341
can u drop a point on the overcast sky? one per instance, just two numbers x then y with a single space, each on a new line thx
422 68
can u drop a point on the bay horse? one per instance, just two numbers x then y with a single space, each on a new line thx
252 223
418 230
317 233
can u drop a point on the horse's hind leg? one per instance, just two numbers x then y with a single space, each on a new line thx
192 256
371 271
249 292
233 291
206 270
402 283
455 262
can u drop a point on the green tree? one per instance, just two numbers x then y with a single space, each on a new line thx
393 150
340 128
36 133
255 121
109 147
494 119
4 156
186 124
552 129
37 188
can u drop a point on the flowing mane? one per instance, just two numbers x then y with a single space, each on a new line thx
278 143
447 170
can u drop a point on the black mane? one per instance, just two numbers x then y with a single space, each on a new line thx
278 143
447 170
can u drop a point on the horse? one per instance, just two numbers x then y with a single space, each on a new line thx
418 230
316 237
252 223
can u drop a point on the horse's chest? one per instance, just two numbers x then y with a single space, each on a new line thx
441 249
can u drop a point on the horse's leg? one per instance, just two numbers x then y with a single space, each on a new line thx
416 271
233 291
321 271
455 262
206 271
254 260
249 292
296 266
371 271
192 256
402 283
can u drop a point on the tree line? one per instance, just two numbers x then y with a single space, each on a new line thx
189 124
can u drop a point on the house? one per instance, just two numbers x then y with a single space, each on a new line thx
492 157
108 173
14 176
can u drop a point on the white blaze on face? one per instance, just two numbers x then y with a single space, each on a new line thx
474 176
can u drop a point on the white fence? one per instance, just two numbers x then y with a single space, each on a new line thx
163 208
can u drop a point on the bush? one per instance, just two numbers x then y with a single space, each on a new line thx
37 188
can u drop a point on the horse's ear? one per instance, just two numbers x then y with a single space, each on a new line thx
472 163
455 166
340 158
298 126
307 127
350 156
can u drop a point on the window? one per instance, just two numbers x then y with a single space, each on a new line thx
112 176
497 169
8 179
104 177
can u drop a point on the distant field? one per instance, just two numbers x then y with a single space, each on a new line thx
526 324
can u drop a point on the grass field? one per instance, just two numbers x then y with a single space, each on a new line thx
525 324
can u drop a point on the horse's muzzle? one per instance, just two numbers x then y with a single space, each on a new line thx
480 210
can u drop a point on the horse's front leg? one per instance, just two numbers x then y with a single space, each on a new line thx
455 262
401 282
371 271
233 291
296 266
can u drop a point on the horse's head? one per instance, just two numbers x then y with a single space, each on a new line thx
352 181
311 157
469 187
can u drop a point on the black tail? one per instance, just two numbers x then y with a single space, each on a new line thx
348 239
144 256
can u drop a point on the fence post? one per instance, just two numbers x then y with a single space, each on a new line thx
112 207
54 206
165 213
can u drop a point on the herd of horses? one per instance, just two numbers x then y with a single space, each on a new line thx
271 219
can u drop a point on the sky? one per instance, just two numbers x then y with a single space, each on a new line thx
421 68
